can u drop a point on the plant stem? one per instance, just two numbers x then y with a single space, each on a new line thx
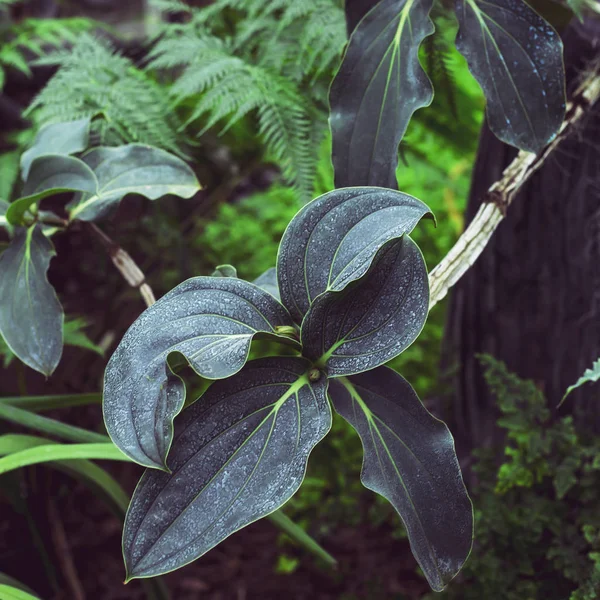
500 195
128 268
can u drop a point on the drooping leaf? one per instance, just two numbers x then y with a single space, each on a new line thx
49 175
211 321
132 169
378 87
268 282
372 320
57 138
516 57
589 376
225 271
31 317
409 459
333 240
239 453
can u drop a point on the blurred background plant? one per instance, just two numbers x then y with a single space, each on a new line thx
238 88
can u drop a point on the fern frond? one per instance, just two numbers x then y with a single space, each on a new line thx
125 103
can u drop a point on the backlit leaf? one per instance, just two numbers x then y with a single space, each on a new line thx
589 376
372 320
333 240
409 459
57 138
31 317
239 453
378 87
132 169
211 321
516 57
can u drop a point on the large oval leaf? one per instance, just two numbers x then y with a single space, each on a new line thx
409 459
333 240
378 87
57 138
516 57
31 317
132 169
49 175
373 320
239 453
211 321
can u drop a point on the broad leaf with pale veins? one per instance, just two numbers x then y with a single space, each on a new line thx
239 453
516 57
332 241
409 459
211 321
132 169
372 320
377 89
31 317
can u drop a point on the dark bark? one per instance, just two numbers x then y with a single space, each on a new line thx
532 299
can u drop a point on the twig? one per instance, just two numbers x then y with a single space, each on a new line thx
132 274
63 553
501 194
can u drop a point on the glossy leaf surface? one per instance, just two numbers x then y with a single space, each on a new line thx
268 282
57 138
49 175
132 169
516 57
378 87
409 459
31 317
333 240
211 321
373 320
239 453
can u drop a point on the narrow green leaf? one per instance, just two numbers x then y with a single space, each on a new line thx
132 169
33 403
57 138
50 426
211 321
589 376
409 459
377 89
53 452
516 57
332 241
8 592
372 320
31 317
49 175
300 536
268 282
82 469
239 453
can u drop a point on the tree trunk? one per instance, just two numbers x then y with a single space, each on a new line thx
532 299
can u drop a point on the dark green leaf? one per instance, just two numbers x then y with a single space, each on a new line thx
239 453
49 175
57 138
372 320
268 282
516 57
409 459
225 271
75 336
31 317
132 169
333 239
211 321
379 86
